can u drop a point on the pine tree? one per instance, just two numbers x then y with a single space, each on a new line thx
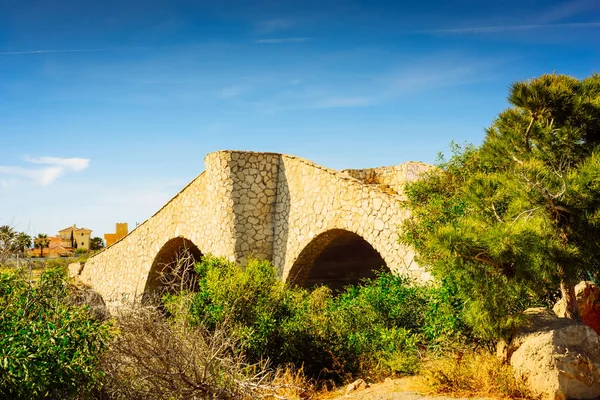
513 219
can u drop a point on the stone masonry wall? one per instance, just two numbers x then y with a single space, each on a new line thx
201 213
254 183
266 205
313 203
394 177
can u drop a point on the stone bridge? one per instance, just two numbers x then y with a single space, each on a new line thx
316 225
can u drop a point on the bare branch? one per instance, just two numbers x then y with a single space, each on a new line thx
528 212
153 358
496 214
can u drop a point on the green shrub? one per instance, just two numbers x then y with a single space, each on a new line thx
444 323
81 252
48 347
377 325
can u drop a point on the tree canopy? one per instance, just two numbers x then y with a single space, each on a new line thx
512 220
12 243
41 242
96 243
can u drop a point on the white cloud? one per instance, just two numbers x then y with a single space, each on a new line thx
283 40
57 167
74 164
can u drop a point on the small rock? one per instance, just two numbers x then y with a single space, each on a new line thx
356 385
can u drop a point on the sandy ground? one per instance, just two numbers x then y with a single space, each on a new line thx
391 389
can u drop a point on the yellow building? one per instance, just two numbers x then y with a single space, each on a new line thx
121 231
75 237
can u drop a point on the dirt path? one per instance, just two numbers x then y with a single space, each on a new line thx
391 389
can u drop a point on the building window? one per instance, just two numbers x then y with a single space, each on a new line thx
82 234
83 244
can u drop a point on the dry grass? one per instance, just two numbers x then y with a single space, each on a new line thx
473 374
153 358
290 383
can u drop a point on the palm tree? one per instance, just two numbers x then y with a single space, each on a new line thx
7 242
23 242
41 242
7 236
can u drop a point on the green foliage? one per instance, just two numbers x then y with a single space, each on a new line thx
80 251
48 347
376 326
511 219
13 243
41 242
96 243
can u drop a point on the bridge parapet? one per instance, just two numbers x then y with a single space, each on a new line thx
277 207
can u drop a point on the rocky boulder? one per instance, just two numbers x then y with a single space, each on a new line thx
75 269
558 357
588 301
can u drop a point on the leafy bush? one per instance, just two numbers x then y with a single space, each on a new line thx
376 326
48 347
80 251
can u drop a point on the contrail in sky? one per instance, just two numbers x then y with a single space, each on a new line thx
9 53
508 28
96 50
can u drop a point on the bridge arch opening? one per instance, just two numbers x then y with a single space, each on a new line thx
172 269
336 258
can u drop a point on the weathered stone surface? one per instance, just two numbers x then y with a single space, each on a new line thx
75 269
278 207
390 179
588 301
356 385
559 358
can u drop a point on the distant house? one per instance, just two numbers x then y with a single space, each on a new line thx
74 237
121 231
65 243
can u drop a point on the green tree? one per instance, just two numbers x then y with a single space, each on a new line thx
41 242
7 242
23 242
96 243
519 216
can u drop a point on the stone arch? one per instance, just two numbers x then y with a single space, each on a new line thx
178 249
336 258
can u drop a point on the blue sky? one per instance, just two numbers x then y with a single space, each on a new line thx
107 108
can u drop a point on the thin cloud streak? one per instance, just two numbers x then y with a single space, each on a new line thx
345 102
566 10
273 25
283 40
510 28
12 53
233 91
116 49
